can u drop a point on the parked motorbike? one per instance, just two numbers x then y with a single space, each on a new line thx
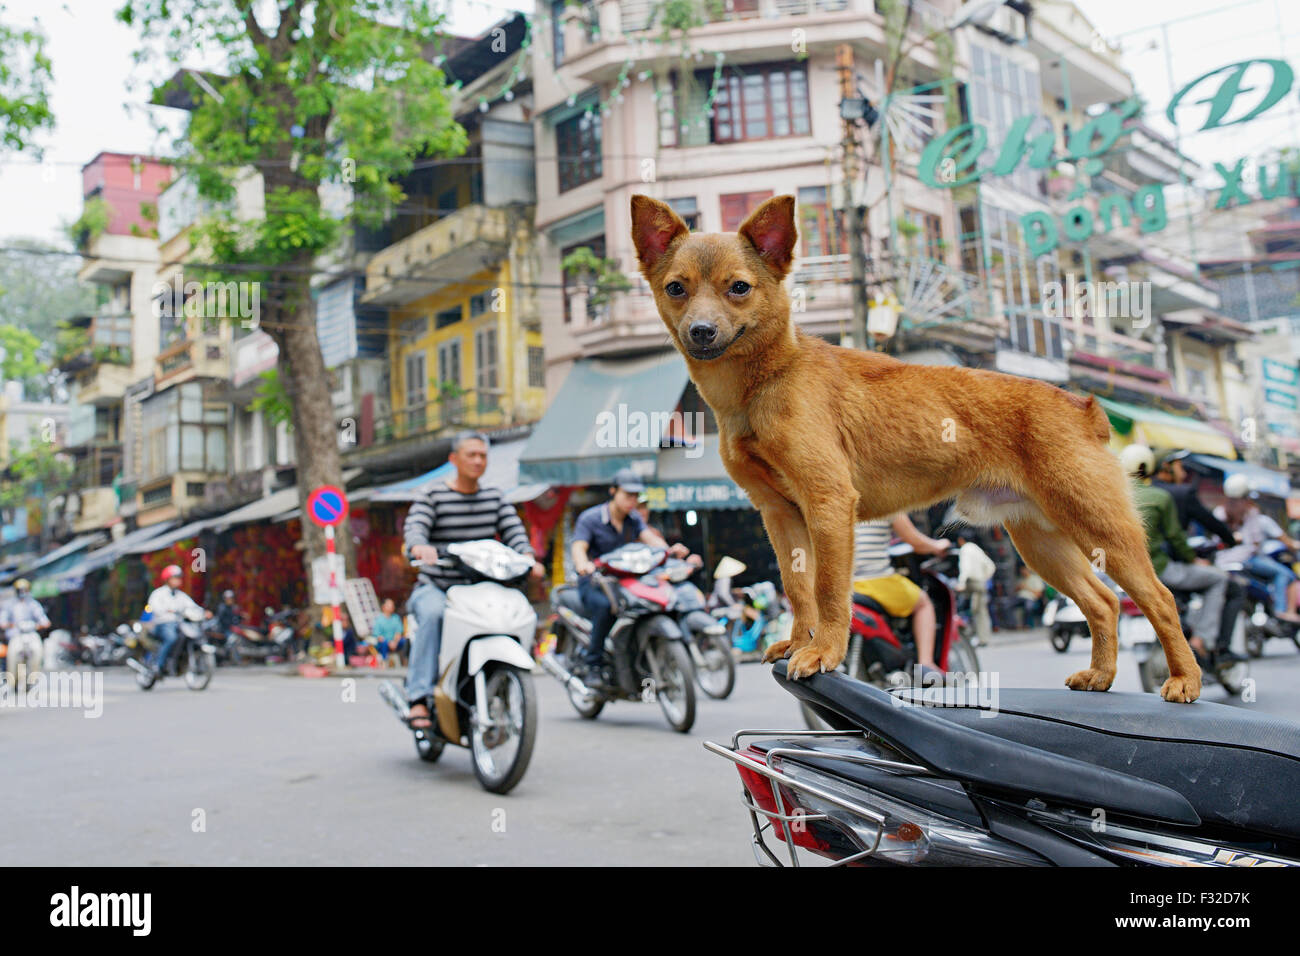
272 641
1153 667
882 649
706 637
649 651
751 636
485 699
918 778
193 657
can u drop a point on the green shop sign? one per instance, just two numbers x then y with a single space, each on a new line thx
951 160
695 495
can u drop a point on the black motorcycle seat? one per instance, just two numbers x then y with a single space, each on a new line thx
984 761
1236 767
566 595
870 603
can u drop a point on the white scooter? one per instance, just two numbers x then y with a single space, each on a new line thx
484 698
25 654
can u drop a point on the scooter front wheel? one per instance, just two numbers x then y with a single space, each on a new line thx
503 747
428 745
676 691
1060 638
198 672
717 673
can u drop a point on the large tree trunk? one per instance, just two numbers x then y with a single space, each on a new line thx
302 370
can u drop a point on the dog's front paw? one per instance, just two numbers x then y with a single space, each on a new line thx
1182 690
813 660
1090 680
777 651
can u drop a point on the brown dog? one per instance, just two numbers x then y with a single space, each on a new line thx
821 436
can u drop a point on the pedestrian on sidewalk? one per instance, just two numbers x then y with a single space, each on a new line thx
975 570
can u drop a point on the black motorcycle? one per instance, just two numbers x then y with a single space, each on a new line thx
706 636
646 644
963 775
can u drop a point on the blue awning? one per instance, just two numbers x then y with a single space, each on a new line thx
1264 480
502 472
608 415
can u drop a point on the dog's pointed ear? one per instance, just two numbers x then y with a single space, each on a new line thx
654 227
771 231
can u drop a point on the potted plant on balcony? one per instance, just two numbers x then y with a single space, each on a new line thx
91 224
71 347
599 279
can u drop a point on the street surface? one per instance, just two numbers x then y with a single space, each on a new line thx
264 769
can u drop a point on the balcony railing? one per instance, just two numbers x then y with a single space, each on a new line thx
448 251
99 468
647 14
481 408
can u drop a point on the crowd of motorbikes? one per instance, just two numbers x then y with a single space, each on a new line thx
1248 612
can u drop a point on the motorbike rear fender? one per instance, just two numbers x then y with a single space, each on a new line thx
497 647
658 625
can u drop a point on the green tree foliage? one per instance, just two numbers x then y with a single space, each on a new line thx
19 359
37 472
308 93
39 289
25 75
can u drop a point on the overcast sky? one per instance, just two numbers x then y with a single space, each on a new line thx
95 111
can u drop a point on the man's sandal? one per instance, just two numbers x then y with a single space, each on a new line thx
427 718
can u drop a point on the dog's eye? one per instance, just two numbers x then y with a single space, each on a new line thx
739 288
675 289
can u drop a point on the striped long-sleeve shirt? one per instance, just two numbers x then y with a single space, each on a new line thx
443 516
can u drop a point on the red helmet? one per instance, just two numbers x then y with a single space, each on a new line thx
169 572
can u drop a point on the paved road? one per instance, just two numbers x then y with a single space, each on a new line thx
284 770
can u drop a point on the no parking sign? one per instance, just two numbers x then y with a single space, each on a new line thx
327 506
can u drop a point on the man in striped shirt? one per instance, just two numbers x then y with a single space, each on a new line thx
450 510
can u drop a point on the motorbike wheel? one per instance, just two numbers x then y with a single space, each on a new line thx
502 751
588 706
677 693
1060 638
717 677
962 658
1254 643
1154 671
145 678
199 668
429 746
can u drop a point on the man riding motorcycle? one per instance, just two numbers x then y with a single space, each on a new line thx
1165 536
165 608
451 510
599 530
1172 476
18 609
1254 529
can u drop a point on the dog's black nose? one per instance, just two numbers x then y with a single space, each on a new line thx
703 333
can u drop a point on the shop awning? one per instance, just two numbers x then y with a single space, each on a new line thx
1161 430
60 557
116 550
694 478
168 538
1262 479
608 415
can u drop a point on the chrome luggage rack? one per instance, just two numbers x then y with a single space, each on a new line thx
768 769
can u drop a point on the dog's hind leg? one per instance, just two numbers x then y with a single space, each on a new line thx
1129 565
1060 563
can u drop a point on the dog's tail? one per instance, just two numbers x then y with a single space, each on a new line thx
1094 413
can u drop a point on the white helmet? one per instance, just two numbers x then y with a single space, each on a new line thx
1237 486
1138 461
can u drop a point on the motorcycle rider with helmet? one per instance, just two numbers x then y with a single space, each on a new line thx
19 608
1254 528
1165 537
166 606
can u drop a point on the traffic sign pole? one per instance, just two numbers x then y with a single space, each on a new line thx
327 506
334 597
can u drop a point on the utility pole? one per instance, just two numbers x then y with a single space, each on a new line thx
852 167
